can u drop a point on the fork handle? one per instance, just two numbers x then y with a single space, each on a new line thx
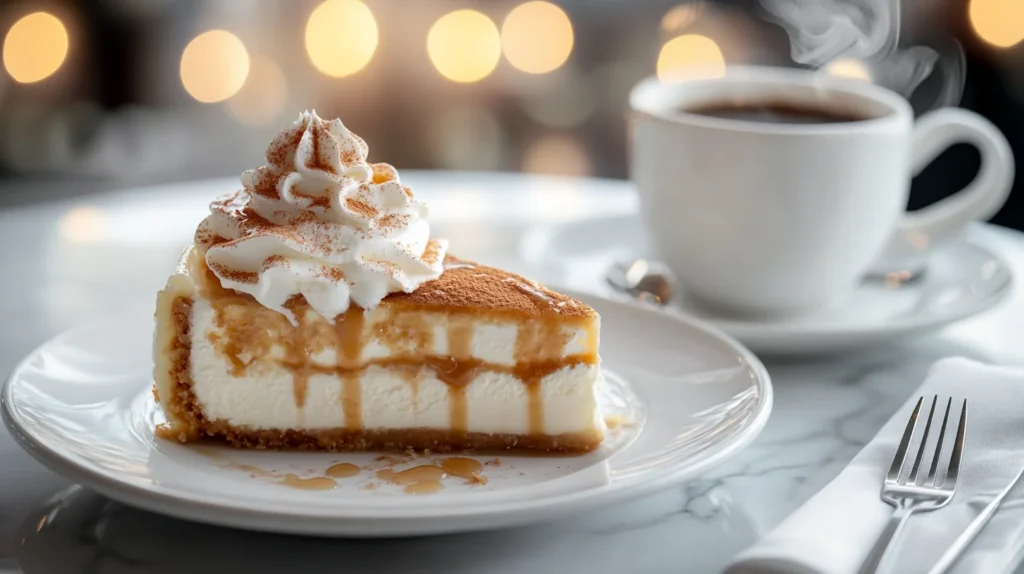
881 554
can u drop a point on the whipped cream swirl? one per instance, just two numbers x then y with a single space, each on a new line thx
321 222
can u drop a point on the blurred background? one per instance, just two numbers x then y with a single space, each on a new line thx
99 94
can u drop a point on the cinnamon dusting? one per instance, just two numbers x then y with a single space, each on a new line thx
321 201
486 289
230 274
431 253
361 208
275 261
392 222
332 274
277 151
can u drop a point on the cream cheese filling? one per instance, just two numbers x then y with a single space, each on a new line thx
495 402
263 397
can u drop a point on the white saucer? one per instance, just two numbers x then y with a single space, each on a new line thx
82 405
962 279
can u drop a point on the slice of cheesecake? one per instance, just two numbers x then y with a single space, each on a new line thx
478 359
314 310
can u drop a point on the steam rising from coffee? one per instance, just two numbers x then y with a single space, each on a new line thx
823 31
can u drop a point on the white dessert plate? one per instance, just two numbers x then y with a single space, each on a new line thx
683 397
962 279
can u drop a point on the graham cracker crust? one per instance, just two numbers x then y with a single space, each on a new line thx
182 402
187 423
419 439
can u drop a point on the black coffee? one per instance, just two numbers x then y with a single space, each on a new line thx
776 113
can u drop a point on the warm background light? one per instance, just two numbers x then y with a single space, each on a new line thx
557 155
84 224
848 68
537 37
35 47
464 46
998 22
341 37
262 98
214 66
690 56
679 17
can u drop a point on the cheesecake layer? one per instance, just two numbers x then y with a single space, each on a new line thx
456 377
396 398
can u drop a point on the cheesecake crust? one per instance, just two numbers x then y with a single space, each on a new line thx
181 404
397 440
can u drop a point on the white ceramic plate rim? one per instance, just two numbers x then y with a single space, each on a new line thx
161 499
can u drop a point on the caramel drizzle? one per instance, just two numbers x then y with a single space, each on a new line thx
348 329
315 483
458 370
462 467
343 470
534 341
298 358
413 475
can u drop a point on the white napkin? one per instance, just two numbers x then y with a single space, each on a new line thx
834 531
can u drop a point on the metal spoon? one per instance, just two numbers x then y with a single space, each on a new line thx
644 280
897 272
650 282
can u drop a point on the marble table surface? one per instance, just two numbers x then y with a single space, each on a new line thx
62 263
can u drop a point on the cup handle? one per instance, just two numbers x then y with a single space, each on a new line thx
982 198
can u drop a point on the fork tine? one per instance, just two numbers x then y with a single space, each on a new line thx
938 445
901 452
912 479
958 449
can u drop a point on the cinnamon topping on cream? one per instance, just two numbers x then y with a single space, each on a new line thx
321 222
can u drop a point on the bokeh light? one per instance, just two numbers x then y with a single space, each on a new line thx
848 68
690 56
537 37
341 37
35 47
262 98
84 224
998 22
557 154
679 17
214 66
464 46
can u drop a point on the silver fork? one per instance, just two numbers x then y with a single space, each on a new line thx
913 493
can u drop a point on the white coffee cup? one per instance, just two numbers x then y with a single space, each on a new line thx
775 219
